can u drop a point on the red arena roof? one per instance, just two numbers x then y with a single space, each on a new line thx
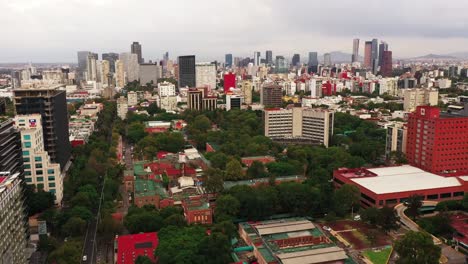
129 247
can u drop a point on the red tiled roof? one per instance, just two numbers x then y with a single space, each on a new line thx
3 179
129 247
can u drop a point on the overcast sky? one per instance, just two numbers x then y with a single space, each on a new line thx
54 30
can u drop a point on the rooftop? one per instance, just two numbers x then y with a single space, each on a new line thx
149 188
399 179
129 247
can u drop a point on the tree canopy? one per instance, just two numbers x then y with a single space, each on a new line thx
417 247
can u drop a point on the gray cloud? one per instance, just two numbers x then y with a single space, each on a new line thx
53 30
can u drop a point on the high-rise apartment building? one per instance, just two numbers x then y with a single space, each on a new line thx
105 72
12 219
51 104
132 98
438 141
257 58
205 75
234 101
131 66
11 158
383 46
120 79
136 49
396 138
187 71
327 61
296 60
149 73
368 54
111 58
416 97
229 81
386 67
271 95
2 105
166 89
246 88
269 57
309 124
228 60
122 107
38 169
91 69
355 56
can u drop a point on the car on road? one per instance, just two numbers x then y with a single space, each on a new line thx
357 218
85 258
327 228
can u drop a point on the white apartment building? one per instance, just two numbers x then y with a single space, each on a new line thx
132 98
246 89
122 107
205 75
168 103
312 124
166 89
234 101
396 138
38 168
416 97
13 232
389 86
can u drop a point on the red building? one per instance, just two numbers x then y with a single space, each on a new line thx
129 247
386 68
328 89
388 186
438 141
197 210
229 81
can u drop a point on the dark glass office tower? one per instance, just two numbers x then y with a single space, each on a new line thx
228 60
51 104
136 49
187 71
269 57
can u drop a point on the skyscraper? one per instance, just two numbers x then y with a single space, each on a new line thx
280 65
187 71
82 64
257 58
228 60
296 60
136 49
91 69
111 58
327 59
51 104
382 48
368 54
355 56
269 57
386 68
375 55
313 59
131 66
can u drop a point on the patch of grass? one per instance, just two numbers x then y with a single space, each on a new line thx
378 257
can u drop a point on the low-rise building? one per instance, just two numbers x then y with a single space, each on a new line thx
388 186
157 126
290 241
197 210
149 192
122 107
128 248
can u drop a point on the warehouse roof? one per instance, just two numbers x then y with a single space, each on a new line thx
320 255
284 227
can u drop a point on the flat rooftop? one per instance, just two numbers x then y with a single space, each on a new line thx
401 179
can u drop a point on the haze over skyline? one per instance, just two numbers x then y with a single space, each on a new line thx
54 30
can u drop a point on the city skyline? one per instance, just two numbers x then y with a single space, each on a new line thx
42 31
